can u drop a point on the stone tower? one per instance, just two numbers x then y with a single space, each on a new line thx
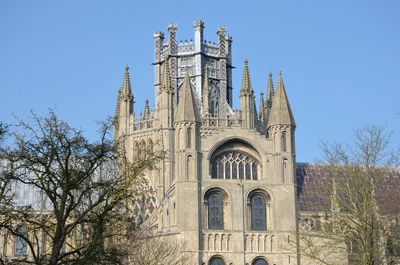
197 57
226 184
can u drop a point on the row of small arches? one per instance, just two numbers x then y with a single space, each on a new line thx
219 242
264 243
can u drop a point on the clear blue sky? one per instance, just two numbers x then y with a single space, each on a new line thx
340 59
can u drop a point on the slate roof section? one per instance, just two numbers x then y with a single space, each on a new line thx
313 193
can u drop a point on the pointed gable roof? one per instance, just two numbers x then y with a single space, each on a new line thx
187 109
281 113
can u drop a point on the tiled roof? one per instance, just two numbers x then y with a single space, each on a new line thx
313 192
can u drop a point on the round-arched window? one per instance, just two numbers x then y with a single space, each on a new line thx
215 210
216 261
260 261
258 212
258 203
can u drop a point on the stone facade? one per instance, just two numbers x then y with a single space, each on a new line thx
226 185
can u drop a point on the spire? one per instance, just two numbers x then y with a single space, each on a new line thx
247 102
262 108
270 91
146 109
124 113
187 109
126 92
206 93
246 83
118 104
166 81
281 113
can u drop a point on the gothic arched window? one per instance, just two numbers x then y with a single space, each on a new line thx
234 165
216 261
259 261
21 245
215 209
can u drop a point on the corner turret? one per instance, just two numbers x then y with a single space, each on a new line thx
166 98
281 128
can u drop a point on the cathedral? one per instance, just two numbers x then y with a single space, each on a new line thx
226 185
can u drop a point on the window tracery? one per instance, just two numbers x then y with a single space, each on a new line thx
234 165
145 203
307 224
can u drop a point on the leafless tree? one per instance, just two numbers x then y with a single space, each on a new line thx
148 249
364 214
84 187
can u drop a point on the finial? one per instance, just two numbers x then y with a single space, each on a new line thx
126 67
172 26
198 23
158 34
146 109
187 68
221 30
